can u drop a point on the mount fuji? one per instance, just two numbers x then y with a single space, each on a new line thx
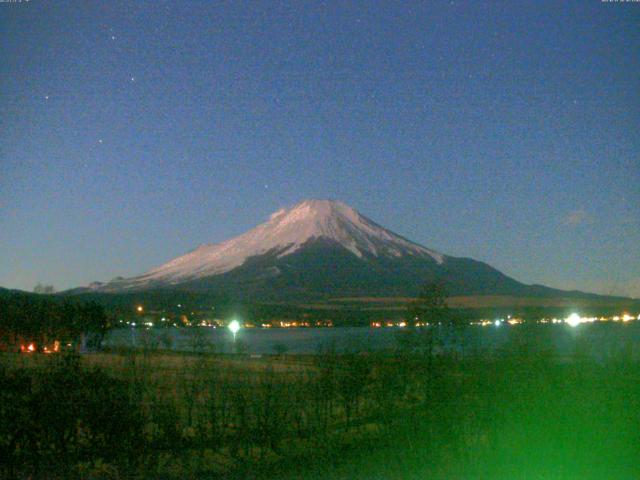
320 249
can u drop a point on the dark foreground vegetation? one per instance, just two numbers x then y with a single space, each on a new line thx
519 413
41 320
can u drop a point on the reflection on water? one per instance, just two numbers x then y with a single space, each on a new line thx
598 339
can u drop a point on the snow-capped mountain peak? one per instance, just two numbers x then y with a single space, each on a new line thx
285 232
320 250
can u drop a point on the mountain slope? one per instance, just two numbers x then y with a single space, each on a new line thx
286 232
321 249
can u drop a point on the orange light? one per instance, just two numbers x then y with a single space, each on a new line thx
31 347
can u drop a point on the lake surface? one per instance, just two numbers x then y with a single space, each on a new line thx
597 339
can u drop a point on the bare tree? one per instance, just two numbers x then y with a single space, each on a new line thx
431 311
44 289
438 328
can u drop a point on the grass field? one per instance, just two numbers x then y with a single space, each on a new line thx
518 413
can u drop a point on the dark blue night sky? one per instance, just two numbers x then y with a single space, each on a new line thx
508 132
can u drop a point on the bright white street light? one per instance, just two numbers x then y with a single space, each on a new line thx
573 320
234 326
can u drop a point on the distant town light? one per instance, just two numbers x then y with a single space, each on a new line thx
497 323
139 309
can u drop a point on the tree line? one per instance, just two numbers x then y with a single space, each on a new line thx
43 319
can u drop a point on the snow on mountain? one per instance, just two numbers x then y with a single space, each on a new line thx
286 231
